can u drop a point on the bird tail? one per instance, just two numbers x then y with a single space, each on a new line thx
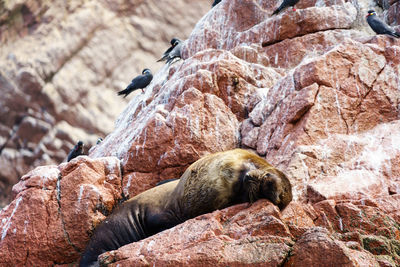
277 11
123 92
397 34
163 58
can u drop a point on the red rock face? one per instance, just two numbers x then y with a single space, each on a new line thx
237 236
54 210
310 90
393 12
62 64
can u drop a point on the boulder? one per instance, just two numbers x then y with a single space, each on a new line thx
55 209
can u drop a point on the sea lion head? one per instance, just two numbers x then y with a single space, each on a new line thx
271 184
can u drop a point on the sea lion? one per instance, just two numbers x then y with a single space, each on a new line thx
213 182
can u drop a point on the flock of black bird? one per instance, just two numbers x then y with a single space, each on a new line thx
173 52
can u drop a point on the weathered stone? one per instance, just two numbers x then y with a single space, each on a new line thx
376 245
55 209
393 17
206 100
236 236
62 64
317 248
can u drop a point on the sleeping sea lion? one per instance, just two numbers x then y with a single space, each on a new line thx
213 182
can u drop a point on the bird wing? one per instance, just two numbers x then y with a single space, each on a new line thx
139 82
142 81
166 54
72 154
69 156
379 26
176 52
293 2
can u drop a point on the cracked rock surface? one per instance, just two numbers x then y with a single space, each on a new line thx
61 65
314 91
53 206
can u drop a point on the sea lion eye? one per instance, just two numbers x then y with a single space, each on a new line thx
269 184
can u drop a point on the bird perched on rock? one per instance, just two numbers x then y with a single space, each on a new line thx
76 151
379 26
216 2
173 52
139 82
285 4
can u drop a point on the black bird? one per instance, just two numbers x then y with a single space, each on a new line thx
379 26
285 4
174 42
76 151
139 82
216 2
173 52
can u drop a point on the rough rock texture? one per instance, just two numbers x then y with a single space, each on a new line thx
61 64
53 209
392 11
237 236
313 91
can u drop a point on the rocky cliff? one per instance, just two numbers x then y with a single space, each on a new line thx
61 64
314 91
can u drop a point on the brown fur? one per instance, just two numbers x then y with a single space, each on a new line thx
213 182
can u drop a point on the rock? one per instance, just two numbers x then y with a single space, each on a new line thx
317 248
55 209
259 27
376 245
220 238
299 218
368 165
392 15
58 76
290 116
289 53
172 135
